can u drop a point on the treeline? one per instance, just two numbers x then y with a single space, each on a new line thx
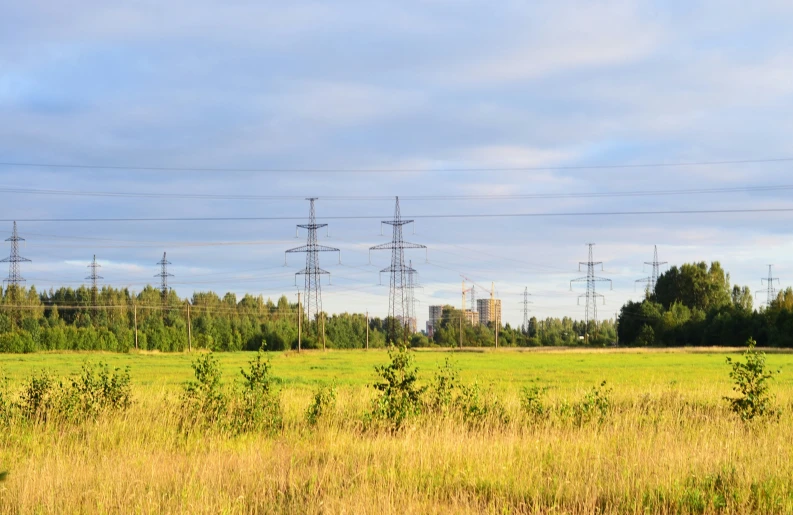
695 305
107 319
115 319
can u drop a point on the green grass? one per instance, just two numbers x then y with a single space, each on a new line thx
669 444
689 369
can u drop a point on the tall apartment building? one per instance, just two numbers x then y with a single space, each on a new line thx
489 310
436 312
472 317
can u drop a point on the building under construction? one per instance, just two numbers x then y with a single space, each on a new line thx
489 310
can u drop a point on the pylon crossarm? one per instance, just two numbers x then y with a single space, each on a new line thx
325 248
315 271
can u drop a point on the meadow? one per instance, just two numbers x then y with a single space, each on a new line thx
666 442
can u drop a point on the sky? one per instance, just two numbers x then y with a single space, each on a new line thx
243 109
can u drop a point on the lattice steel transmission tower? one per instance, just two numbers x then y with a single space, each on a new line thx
653 279
312 292
411 298
399 298
164 275
94 277
526 303
591 294
770 291
15 278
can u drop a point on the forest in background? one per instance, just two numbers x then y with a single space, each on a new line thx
106 319
693 304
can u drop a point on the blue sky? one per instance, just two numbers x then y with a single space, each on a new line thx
425 86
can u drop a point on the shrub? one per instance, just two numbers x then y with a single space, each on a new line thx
96 390
478 407
594 406
400 397
38 398
531 403
751 380
5 402
257 406
323 404
203 399
442 391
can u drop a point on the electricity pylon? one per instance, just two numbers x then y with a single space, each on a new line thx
312 291
164 275
94 277
770 291
653 279
398 298
591 312
526 303
15 278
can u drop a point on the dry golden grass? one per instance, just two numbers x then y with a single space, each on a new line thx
658 451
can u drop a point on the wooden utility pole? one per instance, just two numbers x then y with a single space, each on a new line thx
498 324
461 329
189 330
299 321
323 331
135 315
367 329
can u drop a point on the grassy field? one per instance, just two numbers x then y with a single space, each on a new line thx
668 444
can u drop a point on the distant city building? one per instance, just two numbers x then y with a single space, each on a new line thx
489 310
472 317
436 312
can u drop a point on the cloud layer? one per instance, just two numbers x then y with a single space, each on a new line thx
428 86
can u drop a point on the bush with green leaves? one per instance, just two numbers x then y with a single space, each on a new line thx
323 404
39 398
443 390
532 404
203 400
97 390
400 396
5 402
595 405
478 406
257 407
751 382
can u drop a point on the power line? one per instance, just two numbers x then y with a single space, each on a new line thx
396 170
200 196
427 216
